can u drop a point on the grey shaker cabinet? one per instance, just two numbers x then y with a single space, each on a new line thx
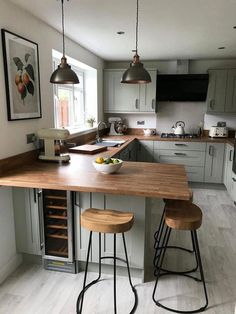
228 172
121 98
27 221
216 95
214 162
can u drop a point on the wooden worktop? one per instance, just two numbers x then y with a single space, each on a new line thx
134 178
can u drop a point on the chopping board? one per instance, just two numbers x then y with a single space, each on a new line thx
87 149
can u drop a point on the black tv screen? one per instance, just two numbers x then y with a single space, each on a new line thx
182 87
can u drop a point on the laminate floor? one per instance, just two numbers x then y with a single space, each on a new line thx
33 290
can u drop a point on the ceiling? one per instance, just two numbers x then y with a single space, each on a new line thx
168 29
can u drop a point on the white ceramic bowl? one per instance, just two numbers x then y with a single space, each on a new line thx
108 168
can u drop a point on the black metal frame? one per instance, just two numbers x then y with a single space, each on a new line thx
157 247
79 304
160 272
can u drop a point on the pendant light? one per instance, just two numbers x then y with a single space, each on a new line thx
136 74
64 74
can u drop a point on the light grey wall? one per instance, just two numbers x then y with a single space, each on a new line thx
192 113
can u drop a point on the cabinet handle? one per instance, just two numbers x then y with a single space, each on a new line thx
136 103
181 144
211 150
153 103
230 155
41 220
180 154
212 103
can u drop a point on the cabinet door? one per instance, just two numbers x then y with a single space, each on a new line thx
216 90
120 97
148 94
145 151
230 105
26 216
233 194
214 162
228 165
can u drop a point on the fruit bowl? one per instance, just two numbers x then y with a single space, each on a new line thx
109 165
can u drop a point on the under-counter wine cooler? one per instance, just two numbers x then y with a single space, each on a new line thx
57 237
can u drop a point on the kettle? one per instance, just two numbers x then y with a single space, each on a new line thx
178 128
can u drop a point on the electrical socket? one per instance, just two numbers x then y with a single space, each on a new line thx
30 138
142 122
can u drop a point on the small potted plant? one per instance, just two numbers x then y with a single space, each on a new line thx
90 121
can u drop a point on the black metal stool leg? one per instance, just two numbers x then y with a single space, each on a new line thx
114 281
130 281
159 268
200 268
79 304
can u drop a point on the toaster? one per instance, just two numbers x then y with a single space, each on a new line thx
217 131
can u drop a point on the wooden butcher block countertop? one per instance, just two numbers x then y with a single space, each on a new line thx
134 178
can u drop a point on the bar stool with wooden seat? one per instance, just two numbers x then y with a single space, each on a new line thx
106 221
180 216
178 204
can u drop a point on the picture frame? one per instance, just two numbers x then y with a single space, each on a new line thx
22 79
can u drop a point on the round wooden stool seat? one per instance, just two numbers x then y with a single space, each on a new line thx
183 215
106 221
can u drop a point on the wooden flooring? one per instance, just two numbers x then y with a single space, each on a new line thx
33 290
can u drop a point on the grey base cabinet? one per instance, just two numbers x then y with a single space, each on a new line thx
145 151
26 217
228 172
214 162
191 155
138 240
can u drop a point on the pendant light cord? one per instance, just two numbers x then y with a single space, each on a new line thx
137 27
63 27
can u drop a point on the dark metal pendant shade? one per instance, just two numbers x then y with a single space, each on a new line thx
63 74
136 74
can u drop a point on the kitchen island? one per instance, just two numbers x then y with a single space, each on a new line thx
137 187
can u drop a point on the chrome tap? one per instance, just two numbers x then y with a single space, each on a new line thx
98 138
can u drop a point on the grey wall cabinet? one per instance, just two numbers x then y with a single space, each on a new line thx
145 151
26 216
228 172
214 162
221 95
120 97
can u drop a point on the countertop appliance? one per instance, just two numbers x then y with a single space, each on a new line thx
218 131
117 127
181 87
53 137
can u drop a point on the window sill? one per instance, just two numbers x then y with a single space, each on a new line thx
80 131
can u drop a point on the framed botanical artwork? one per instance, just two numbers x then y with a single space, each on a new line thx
21 67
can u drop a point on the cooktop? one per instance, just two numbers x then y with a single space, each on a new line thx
172 135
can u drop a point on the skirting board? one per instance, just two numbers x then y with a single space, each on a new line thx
10 267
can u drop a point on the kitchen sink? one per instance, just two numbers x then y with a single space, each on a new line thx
109 143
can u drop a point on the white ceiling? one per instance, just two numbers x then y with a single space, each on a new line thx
168 29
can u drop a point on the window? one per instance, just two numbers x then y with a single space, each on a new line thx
74 104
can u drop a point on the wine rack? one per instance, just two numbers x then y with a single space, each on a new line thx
57 223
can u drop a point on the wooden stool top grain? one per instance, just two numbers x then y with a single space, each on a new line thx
183 215
107 221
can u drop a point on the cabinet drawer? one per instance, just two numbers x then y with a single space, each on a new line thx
195 174
180 157
198 146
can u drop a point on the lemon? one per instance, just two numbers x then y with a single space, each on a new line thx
99 160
